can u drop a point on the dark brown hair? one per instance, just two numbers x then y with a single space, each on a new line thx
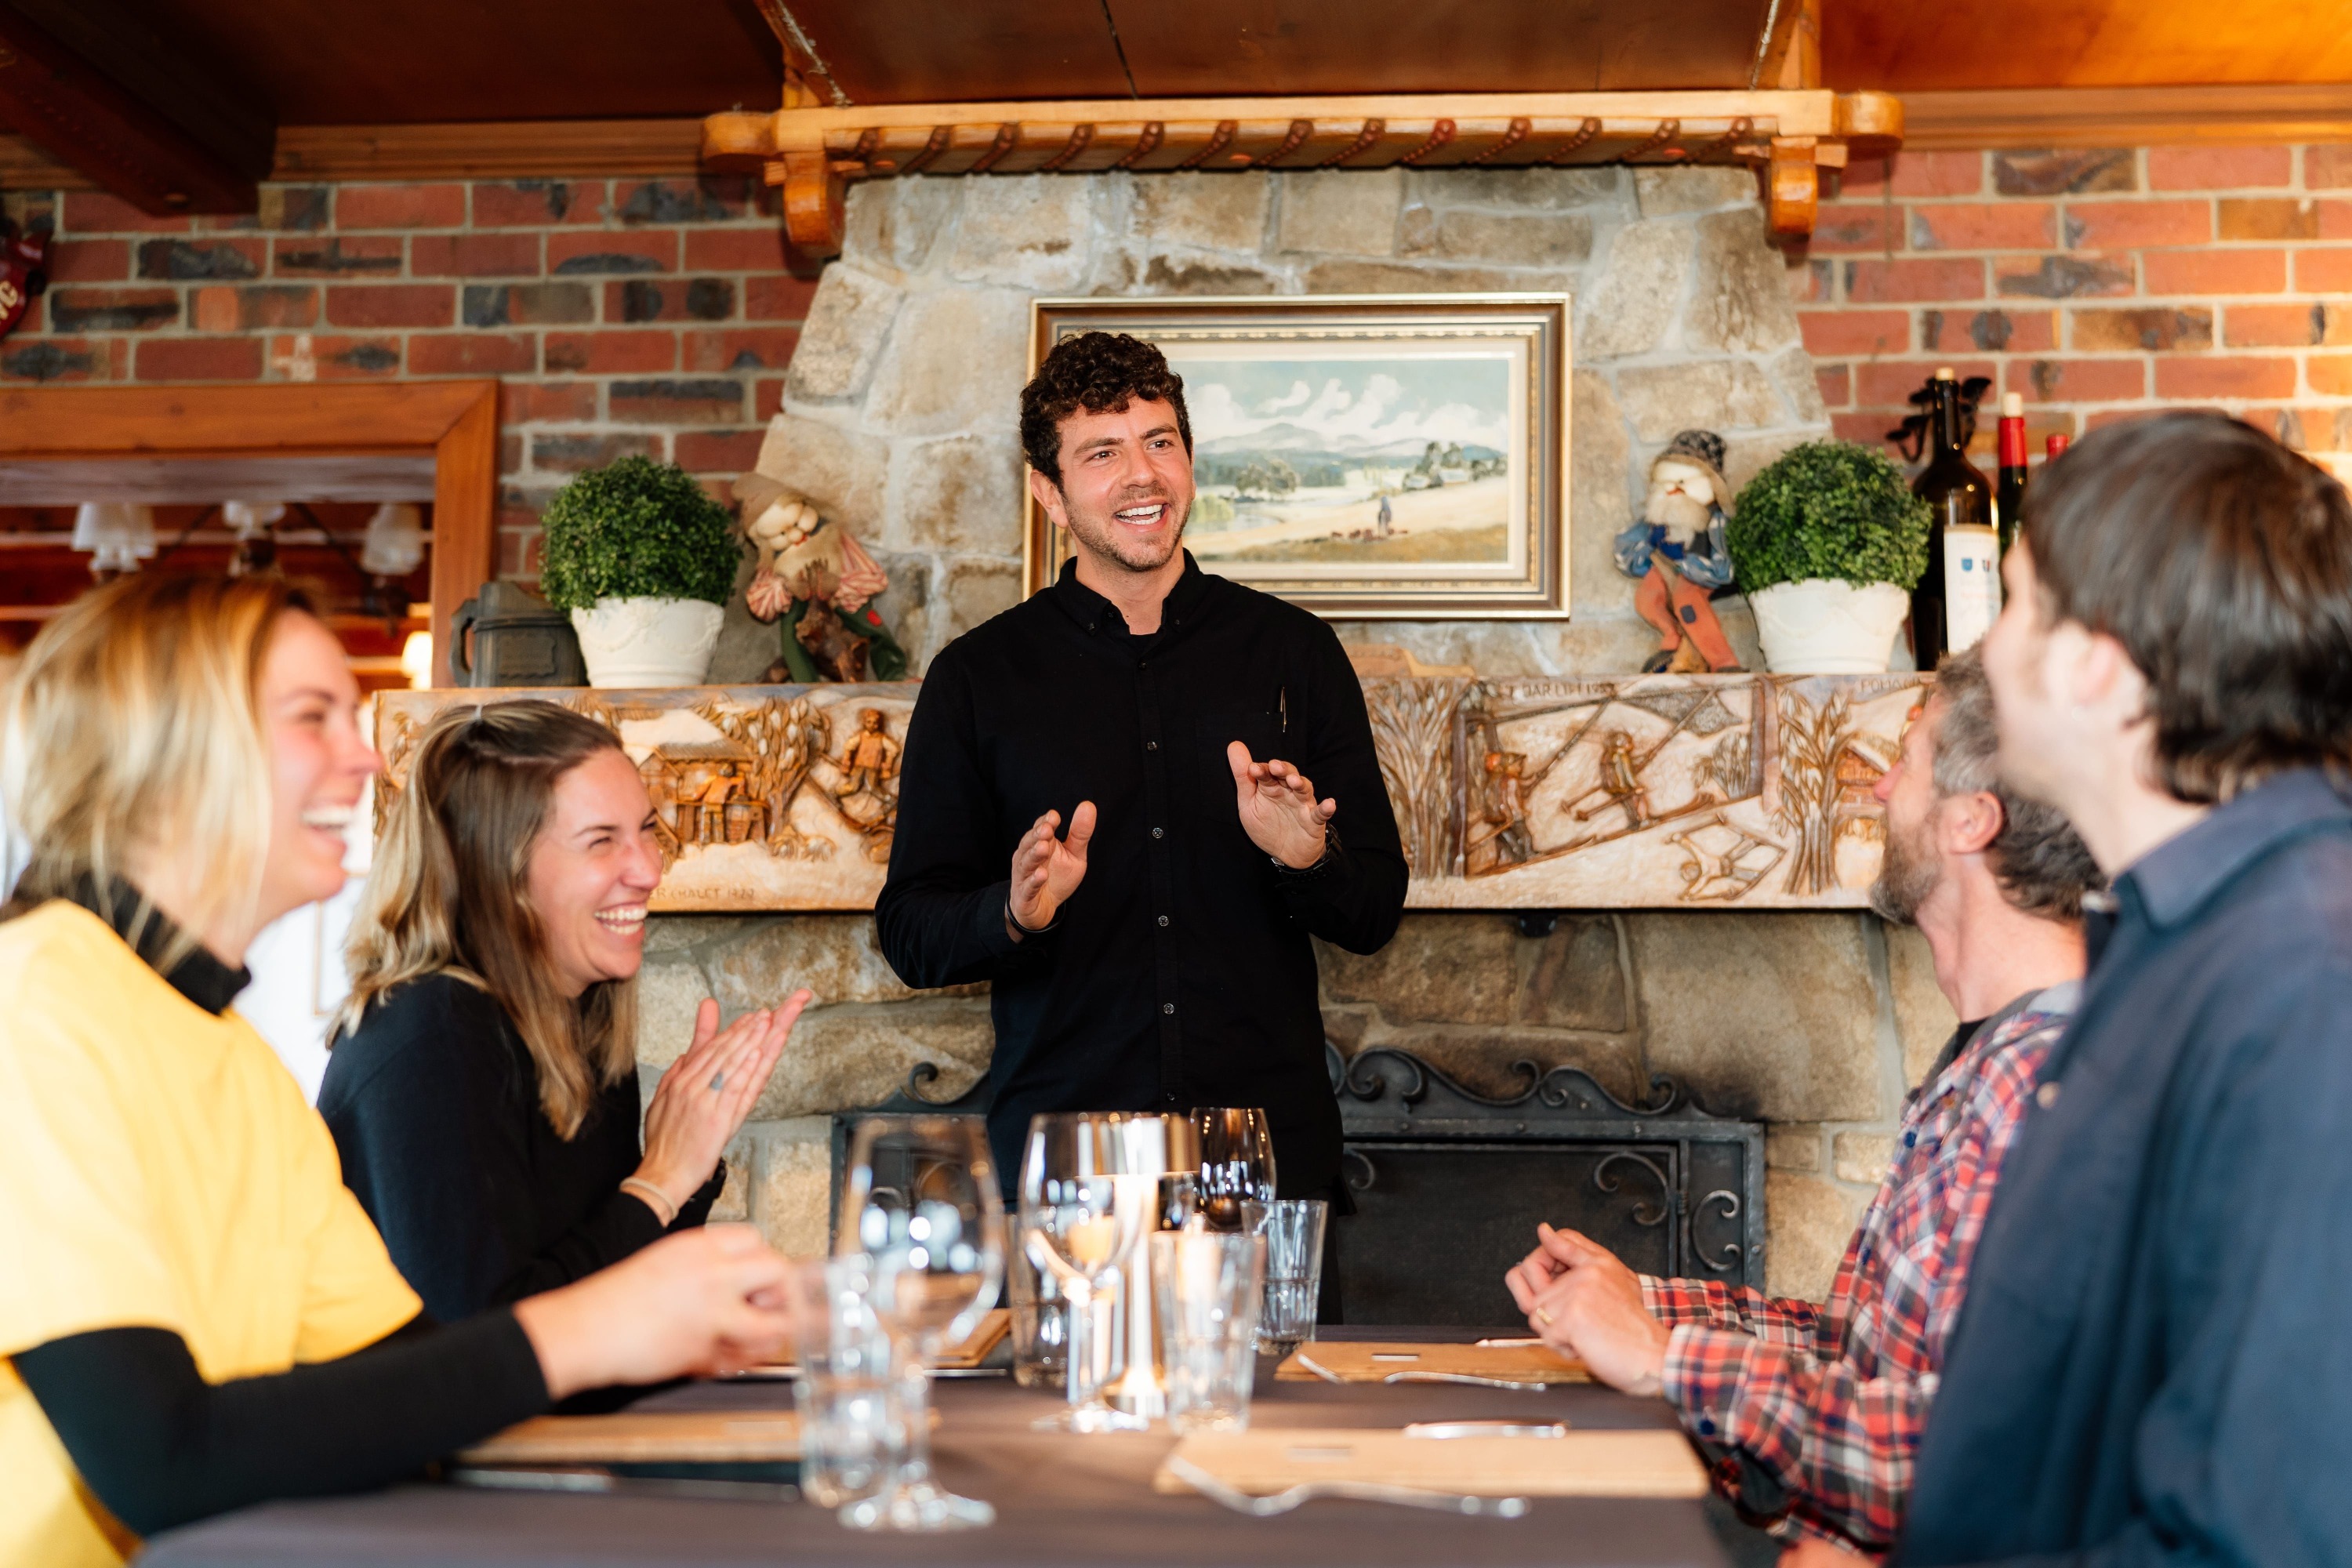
2042 865
449 893
2223 561
1100 372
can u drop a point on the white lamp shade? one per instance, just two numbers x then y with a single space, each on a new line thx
395 541
118 534
246 518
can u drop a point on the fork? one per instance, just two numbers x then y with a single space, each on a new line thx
1282 1501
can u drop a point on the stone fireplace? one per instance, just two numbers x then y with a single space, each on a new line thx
897 419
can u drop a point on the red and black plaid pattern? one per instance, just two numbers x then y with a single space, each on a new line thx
1827 1401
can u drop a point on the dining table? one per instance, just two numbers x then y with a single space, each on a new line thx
1059 1499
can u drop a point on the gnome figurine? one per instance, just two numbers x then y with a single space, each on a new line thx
1676 552
819 582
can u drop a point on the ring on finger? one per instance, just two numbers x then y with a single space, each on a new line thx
1543 1317
718 1081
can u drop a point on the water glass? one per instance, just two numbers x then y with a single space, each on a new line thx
852 1421
1041 1322
1236 1163
1208 1287
1080 1222
1293 1229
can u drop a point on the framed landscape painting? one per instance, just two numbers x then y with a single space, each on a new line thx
1401 457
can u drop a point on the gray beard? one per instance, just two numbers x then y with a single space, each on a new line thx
1904 882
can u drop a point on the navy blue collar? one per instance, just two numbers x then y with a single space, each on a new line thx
2178 877
1095 613
200 977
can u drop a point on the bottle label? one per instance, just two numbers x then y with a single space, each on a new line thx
1971 586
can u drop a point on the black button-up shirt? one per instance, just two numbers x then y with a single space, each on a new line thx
1179 973
2153 1363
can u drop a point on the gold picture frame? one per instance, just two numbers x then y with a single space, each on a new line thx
1365 456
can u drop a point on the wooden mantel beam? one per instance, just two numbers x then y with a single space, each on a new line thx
810 151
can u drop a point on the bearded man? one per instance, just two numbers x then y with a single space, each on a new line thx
1812 1414
1208 749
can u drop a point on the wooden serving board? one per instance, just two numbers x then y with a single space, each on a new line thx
684 1437
1647 1464
962 1357
1372 1360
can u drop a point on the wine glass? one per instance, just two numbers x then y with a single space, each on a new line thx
1236 1163
1081 1224
920 1201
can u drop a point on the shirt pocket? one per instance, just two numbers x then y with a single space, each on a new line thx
1258 728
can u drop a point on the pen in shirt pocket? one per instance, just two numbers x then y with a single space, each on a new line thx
1282 708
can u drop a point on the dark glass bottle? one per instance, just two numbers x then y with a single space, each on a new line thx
1958 595
2008 502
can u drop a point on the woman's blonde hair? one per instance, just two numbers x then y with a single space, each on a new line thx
133 731
449 894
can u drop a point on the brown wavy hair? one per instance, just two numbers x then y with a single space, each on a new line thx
449 894
1100 372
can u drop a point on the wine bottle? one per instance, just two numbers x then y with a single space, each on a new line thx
2008 502
1958 598
2057 448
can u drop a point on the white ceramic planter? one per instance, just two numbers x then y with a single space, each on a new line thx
1823 628
647 642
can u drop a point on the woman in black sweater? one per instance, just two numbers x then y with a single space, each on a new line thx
482 1085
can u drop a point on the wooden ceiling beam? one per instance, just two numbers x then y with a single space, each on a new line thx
2126 116
82 109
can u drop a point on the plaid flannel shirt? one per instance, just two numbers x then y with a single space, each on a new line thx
1812 1414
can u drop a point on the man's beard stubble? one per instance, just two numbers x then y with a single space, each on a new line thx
1102 535
1904 880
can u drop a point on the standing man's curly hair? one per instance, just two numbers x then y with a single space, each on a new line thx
1100 372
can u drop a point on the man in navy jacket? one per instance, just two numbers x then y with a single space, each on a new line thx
2155 1361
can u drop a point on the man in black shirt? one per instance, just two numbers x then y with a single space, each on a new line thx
1208 748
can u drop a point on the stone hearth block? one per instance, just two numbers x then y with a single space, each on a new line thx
1741 304
1769 1016
1793 1146
1715 395
1207 212
832 955
1498 239
861 1053
893 225
847 321
1346 211
1416 277
1809 1223
1792 371
1434 971
839 469
1693 190
792 1199
670 991
1554 189
974 591
962 493
1629 309
1601 502
1922 1019
1863 1157
1031 231
1575 979
957 361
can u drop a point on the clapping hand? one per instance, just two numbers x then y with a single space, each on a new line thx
1046 869
1279 811
1583 1303
702 1100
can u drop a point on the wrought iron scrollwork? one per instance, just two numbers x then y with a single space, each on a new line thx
1372 1074
1645 1214
1359 1170
1730 1256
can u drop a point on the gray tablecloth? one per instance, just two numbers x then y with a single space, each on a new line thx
1058 1500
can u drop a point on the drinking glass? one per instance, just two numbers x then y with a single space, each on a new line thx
920 1201
1041 1322
1207 1287
853 1426
1236 1163
1079 1227
1293 1229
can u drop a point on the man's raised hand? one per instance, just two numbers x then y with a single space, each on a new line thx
1048 869
1279 811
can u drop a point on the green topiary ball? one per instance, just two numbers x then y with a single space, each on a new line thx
1828 509
635 529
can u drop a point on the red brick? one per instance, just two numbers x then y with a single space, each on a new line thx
2143 328
392 305
474 256
95 212
569 451
2014 331
778 297
2323 271
472 353
610 354
2335 220
195 260
509 451
341 256
519 555
89 261
1867 430
547 402
49 358
1923 278
2061 277
1912 174
716 451
1889 383
742 348
1984 225
760 249
700 401
2217 168
637 299
222 309
2328 168
1856 226
767 400
400 207
2331 375
2101 418
605 250
1808 282
2127 225
200 359
1835 383
713 199
113 310
2214 271
2067 171
341 358
2269 217
2274 326
537 203
2248 376
1855 331
2077 380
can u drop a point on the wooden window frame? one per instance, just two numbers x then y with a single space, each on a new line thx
456 421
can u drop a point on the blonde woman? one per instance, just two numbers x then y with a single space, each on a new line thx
482 1083
194 1312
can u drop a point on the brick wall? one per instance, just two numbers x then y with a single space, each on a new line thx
2098 284
651 316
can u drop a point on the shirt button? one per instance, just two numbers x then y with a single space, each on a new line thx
1156 832
1150 745
1163 920
2046 1096
1168 1006
1706 1427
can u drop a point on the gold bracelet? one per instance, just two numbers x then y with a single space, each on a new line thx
654 1198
